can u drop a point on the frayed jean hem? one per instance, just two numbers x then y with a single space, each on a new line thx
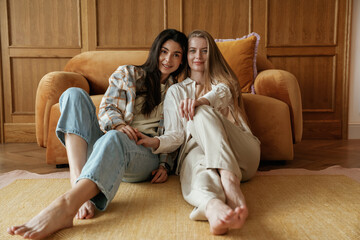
60 133
101 200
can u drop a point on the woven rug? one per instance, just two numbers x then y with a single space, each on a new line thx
281 207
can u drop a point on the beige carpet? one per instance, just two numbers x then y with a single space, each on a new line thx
281 207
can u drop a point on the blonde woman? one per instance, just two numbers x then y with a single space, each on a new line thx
204 114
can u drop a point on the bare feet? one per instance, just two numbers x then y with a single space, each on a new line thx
222 218
58 215
86 211
232 214
231 186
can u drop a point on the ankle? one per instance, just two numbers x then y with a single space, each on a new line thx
212 204
67 203
229 177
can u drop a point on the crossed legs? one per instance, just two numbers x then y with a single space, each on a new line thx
215 193
230 214
227 155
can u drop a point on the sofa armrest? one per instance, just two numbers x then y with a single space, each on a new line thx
269 120
50 88
283 86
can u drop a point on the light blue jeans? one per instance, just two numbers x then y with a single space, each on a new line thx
111 157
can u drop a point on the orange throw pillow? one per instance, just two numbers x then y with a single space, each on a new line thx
241 57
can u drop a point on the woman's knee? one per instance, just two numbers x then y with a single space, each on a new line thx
76 98
115 137
206 113
73 93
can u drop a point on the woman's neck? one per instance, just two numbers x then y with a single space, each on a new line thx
198 77
163 78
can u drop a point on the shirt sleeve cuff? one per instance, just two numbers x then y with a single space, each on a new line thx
211 97
159 149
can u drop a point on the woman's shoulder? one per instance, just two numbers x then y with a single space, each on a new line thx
129 68
132 71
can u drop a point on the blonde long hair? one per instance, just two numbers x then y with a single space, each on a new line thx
217 70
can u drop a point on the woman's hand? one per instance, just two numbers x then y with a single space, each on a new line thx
160 175
147 141
188 105
129 131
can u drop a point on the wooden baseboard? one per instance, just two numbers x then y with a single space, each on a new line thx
322 130
354 131
19 133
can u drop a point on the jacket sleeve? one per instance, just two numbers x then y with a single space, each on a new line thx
167 160
116 107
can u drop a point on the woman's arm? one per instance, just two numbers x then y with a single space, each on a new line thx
188 105
174 134
117 105
219 97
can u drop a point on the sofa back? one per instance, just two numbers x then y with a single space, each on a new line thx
97 66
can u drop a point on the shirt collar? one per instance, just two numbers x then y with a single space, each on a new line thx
188 81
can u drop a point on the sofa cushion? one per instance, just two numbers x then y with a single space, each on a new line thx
241 54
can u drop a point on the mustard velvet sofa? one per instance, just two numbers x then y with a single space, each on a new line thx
274 112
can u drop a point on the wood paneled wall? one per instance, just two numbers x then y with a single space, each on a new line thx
309 38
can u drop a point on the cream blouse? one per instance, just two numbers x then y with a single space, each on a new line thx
176 132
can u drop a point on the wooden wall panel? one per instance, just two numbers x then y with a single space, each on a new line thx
44 23
222 19
128 23
37 37
309 38
26 74
174 14
302 23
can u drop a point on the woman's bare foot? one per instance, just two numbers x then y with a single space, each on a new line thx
231 186
86 211
58 215
234 196
222 218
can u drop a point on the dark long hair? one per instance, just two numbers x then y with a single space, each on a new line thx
150 85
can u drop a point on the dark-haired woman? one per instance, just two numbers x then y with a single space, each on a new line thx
103 152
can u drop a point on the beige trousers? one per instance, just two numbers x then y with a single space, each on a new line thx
216 143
